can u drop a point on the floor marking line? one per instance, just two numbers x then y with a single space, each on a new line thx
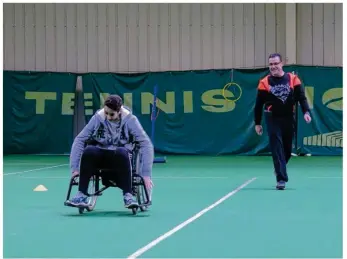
37 169
158 177
325 177
188 221
26 163
190 177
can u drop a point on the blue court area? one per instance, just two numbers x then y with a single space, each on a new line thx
218 207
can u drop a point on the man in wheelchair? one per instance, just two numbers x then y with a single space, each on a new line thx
107 141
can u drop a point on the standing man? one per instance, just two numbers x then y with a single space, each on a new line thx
279 92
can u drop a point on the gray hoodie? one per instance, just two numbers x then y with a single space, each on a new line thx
110 135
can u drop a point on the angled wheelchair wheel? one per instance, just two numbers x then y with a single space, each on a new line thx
139 189
141 198
143 195
92 188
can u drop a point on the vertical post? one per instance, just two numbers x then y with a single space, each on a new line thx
79 118
154 110
153 119
76 108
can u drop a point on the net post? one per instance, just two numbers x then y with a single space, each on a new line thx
153 119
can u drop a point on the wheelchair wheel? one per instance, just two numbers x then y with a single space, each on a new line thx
92 188
143 208
141 198
139 188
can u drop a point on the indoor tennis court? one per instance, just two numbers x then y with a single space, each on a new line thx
219 207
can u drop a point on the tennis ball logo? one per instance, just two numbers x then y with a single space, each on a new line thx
333 99
232 90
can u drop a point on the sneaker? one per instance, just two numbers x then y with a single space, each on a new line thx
79 200
281 185
129 201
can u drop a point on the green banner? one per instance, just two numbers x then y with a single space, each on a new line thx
323 136
211 112
38 112
198 112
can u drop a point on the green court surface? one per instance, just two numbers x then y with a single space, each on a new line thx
305 220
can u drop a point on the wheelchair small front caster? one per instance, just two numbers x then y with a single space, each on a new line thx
80 210
134 211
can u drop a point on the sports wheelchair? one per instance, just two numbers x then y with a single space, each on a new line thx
139 189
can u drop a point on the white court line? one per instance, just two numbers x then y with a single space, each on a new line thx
191 177
325 177
47 177
159 177
26 163
37 169
190 220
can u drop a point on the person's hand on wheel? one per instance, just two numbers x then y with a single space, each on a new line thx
74 174
148 182
259 129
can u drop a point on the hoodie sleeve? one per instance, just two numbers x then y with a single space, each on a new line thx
79 143
146 146
259 103
299 95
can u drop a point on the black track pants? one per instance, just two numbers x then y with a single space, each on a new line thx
94 158
280 131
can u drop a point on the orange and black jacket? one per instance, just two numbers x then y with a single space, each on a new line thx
279 96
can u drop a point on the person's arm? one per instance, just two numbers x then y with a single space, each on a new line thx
146 146
259 103
79 143
299 96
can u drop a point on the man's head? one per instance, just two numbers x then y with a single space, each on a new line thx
112 106
275 64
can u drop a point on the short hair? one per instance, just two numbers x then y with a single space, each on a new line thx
114 102
273 55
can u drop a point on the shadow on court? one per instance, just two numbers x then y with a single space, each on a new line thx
107 214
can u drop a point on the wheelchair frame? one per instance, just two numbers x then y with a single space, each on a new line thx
139 189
